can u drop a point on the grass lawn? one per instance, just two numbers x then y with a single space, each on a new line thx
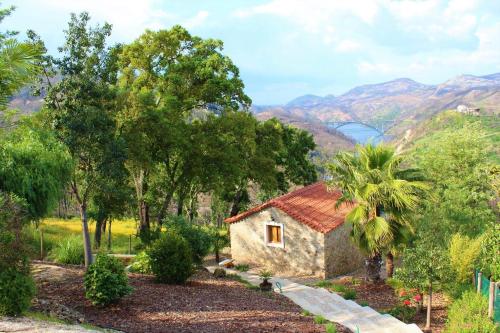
58 230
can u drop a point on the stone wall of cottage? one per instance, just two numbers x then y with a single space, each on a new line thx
341 255
303 251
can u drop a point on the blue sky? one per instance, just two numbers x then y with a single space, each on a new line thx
288 48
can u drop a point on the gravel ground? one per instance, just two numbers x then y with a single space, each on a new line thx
35 326
204 304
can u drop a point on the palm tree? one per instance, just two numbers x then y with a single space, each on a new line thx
384 196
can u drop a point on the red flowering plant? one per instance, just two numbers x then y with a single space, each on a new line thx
409 302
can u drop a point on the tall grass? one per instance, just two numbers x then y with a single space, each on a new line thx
68 251
55 231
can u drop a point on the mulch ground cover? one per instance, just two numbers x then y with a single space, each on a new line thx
382 297
203 304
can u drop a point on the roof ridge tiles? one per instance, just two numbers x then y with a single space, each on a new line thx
312 205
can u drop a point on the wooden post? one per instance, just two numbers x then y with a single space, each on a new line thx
41 244
491 298
129 244
479 281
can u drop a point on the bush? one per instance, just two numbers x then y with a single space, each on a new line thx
469 315
16 291
69 251
349 294
171 258
105 281
141 264
199 239
403 312
242 267
490 256
464 253
219 273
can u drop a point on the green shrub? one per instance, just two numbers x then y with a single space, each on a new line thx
105 281
141 264
69 251
490 255
198 238
330 328
469 315
219 273
171 258
403 312
349 294
319 319
16 291
464 253
242 267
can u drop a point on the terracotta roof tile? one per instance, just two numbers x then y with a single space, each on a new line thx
312 205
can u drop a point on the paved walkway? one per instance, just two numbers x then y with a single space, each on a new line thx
333 307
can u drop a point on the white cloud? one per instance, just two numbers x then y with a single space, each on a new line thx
197 20
315 15
129 18
347 46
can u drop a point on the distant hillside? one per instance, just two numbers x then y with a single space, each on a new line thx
427 130
404 101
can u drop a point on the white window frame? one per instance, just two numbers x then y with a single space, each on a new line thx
282 228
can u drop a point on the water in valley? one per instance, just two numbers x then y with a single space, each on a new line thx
362 133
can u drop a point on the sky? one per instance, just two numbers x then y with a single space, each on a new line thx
289 48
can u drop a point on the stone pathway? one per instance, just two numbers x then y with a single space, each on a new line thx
28 325
333 307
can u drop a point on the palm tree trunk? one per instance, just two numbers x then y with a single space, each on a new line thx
389 264
373 267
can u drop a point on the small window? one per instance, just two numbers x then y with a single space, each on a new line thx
274 234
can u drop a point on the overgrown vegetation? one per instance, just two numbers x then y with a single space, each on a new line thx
470 315
68 251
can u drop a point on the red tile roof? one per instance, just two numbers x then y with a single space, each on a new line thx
312 205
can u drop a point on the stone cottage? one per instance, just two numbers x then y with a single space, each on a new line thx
301 232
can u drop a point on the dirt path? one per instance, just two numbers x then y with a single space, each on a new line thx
28 325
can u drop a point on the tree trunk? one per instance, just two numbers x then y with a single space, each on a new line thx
98 233
235 209
109 236
373 267
144 226
163 210
86 236
427 327
217 255
389 264
180 205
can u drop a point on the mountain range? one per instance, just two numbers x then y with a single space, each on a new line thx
402 103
